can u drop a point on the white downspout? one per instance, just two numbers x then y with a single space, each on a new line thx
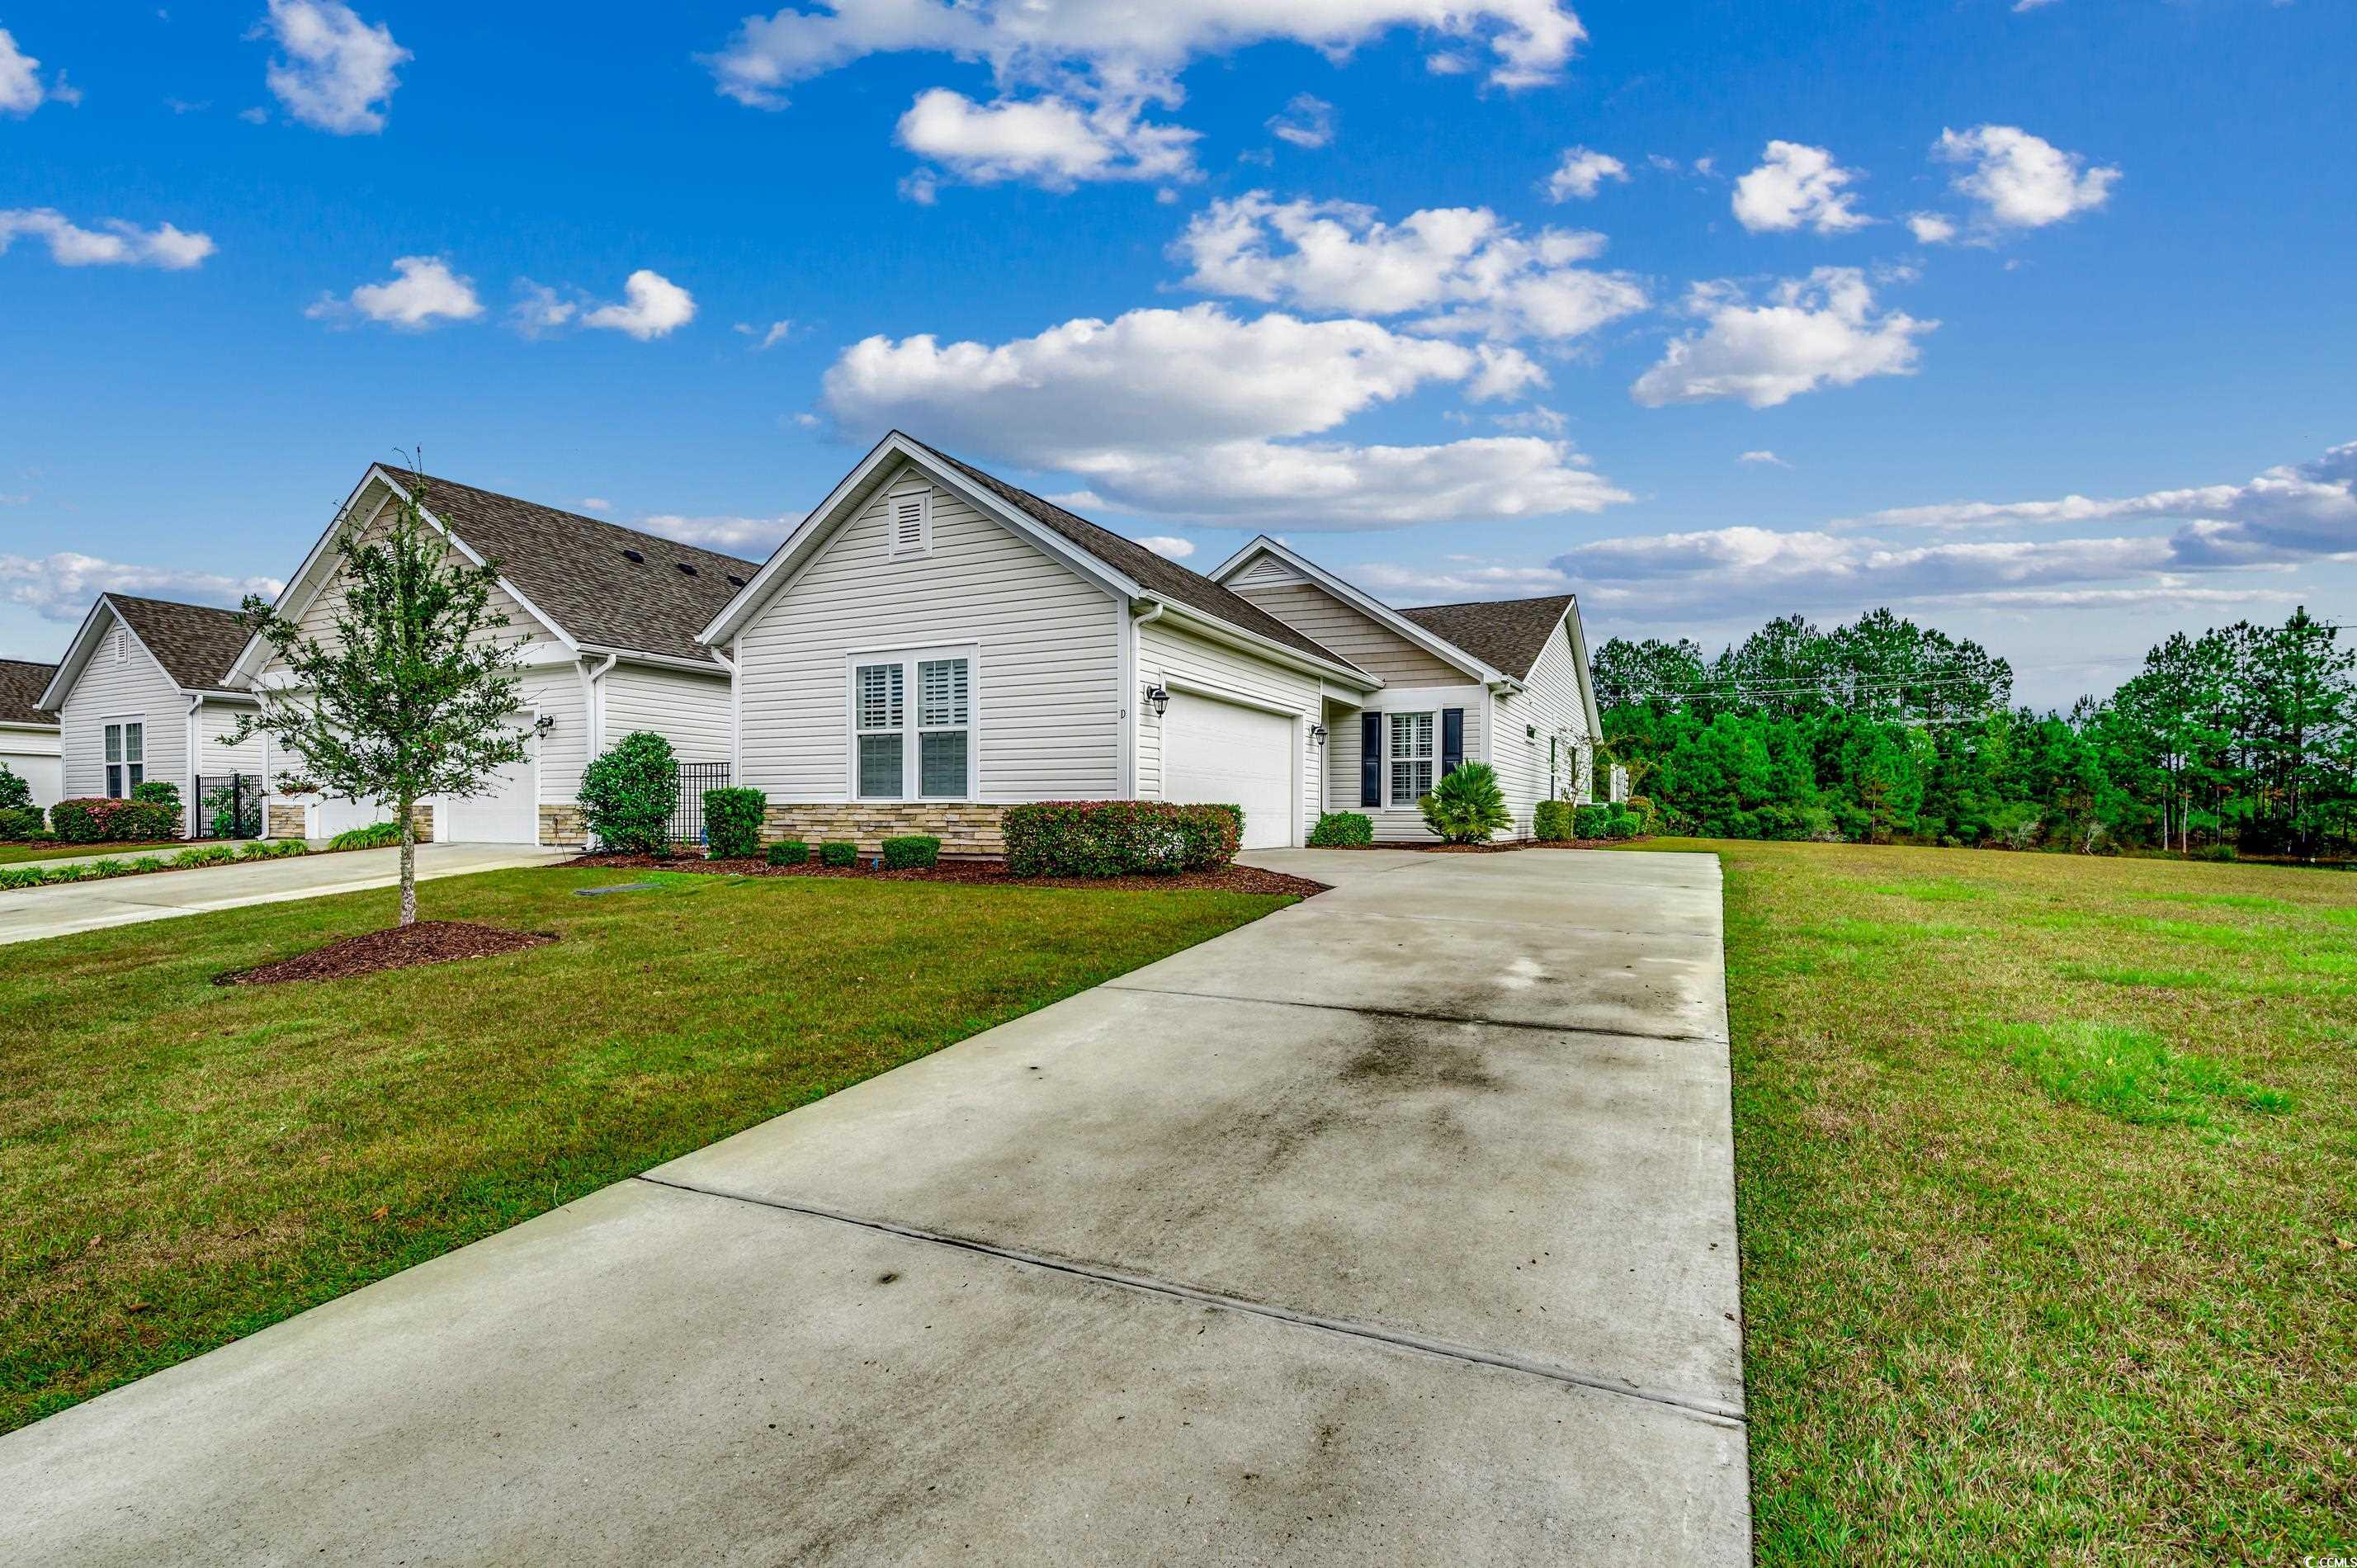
189 822
1135 704
593 702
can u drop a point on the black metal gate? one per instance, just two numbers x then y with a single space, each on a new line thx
228 806
695 779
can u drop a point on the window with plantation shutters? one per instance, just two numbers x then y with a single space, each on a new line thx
1412 757
912 719
910 527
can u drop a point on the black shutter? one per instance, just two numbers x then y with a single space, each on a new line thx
1452 740
1371 759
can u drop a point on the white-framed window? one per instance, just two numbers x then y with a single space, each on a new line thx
913 724
1413 746
127 755
908 525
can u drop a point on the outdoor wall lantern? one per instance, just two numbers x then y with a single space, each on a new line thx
1317 735
543 724
1157 697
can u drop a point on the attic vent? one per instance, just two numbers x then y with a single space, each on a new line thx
735 581
911 525
685 567
633 556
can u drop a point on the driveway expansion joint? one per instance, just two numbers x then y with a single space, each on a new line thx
1705 1409
1412 1015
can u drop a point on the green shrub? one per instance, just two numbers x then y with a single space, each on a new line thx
732 823
68 874
1551 821
1467 807
1592 822
274 849
157 792
1622 825
18 823
917 852
16 794
1116 838
103 869
203 854
101 820
147 863
1649 816
1339 830
628 793
838 855
13 878
376 835
2217 852
789 852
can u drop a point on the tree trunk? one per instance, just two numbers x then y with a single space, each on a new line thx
408 861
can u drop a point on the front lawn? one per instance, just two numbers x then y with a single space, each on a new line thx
2044 1173
182 1164
12 854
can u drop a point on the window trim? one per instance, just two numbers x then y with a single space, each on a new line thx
1394 758
124 722
913 727
893 548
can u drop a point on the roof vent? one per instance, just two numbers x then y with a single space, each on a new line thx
684 568
735 581
633 556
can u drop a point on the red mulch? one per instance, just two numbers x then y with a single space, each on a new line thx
398 947
987 873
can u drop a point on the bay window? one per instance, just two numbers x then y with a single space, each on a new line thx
912 726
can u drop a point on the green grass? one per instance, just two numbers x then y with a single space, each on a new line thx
12 854
182 1164
2045 1219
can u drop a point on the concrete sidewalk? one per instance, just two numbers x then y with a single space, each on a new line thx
1396 1228
32 913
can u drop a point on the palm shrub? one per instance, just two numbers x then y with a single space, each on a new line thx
1551 821
732 823
1466 806
1342 830
628 793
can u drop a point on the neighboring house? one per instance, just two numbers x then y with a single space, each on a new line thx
1505 682
143 693
932 644
29 732
606 618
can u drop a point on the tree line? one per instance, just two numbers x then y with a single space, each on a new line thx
2242 740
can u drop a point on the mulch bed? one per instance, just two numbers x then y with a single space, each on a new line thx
399 947
984 873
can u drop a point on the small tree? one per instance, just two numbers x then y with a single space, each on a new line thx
410 696
16 795
1466 806
628 793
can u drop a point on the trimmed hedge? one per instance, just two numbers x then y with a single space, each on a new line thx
838 856
1551 821
1117 838
157 792
1593 822
789 852
1341 830
103 820
628 793
20 823
732 823
915 852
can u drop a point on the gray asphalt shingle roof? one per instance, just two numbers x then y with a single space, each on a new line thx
22 681
1508 635
607 585
196 644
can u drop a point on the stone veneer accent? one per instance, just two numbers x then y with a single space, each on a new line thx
285 819
562 826
422 816
964 829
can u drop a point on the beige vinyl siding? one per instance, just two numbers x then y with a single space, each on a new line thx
1047 696
1197 664
555 691
137 688
689 711
1400 822
1549 702
1356 635
216 722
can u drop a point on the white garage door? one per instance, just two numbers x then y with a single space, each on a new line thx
1214 751
506 812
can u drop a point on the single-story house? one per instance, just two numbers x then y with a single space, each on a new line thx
932 644
144 692
29 746
606 619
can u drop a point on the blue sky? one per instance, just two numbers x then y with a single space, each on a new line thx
2034 322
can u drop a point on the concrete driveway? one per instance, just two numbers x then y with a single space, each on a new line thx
32 913
1396 1228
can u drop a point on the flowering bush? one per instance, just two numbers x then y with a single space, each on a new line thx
103 820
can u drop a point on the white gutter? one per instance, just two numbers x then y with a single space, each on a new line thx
1206 625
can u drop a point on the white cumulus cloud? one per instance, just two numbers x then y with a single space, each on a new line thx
2021 181
114 243
333 70
1169 546
749 537
1582 173
651 307
21 90
1821 331
1197 414
422 292
60 587
1307 121
1930 228
1768 459
1461 270
1797 186
1051 141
